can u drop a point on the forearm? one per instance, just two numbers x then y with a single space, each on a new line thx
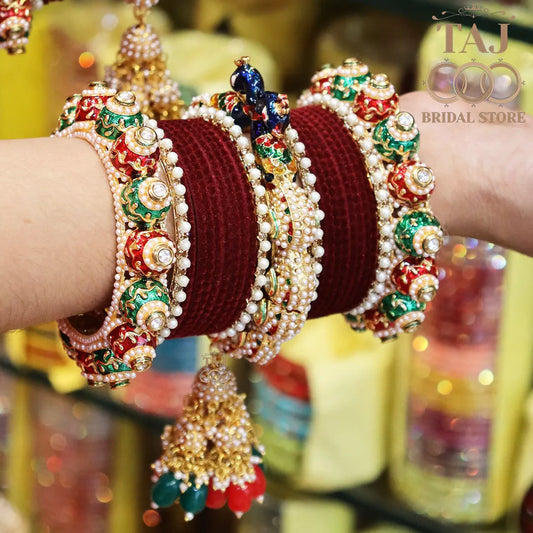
57 252
484 173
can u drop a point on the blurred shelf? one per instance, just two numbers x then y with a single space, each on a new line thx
372 501
521 28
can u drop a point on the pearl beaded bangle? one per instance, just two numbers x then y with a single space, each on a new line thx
124 338
406 275
198 109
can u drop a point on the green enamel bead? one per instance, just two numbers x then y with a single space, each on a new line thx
396 305
418 233
112 125
391 148
107 363
347 87
166 490
144 301
145 201
194 498
68 116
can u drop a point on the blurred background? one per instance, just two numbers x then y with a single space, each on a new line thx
431 434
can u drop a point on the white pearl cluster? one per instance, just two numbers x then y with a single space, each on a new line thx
141 67
12 42
261 204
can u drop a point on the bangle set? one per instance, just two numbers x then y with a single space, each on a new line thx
406 277
111 346
211 455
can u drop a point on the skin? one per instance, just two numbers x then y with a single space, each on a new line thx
57 247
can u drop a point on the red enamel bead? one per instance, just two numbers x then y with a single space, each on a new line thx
411 183
21 9
417 277
376 321
373 109
93 100
149 252
322 81
135 153
134 346
377 100
239 499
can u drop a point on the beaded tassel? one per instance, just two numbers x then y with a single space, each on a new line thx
140 67
211 454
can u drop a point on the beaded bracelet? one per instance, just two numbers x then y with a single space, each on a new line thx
409 235
295 220
262 208
111 346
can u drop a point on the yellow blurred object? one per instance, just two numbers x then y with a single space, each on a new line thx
514 357
349 378
284 28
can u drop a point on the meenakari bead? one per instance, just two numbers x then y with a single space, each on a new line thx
377 100
349 79
418 233
411 183
322 81
134 346
118 114
402 310
145 201
68 116
274 155
149 252
356 322
397 138
382 327
417 277
135 153
145 302
101 366
15 20
93 100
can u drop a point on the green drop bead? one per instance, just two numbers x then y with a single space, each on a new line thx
393 149
407 227
111 125
395 305
166 490
194 498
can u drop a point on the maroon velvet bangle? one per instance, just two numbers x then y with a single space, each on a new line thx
223 237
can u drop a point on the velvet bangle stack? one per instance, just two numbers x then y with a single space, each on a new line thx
224 242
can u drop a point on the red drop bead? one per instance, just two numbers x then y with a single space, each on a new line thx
149 252
239 499
216 499
258 487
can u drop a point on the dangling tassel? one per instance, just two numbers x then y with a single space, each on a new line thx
15 22
141 67
211 454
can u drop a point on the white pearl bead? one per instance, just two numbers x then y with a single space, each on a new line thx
386 230
177 172
262 209
263 263
265 246
292 134
172 323
314 197
299 147
384 262
260 190
257 295
182 208
235 130
310 179
249 158
165 144
305 162
265 227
